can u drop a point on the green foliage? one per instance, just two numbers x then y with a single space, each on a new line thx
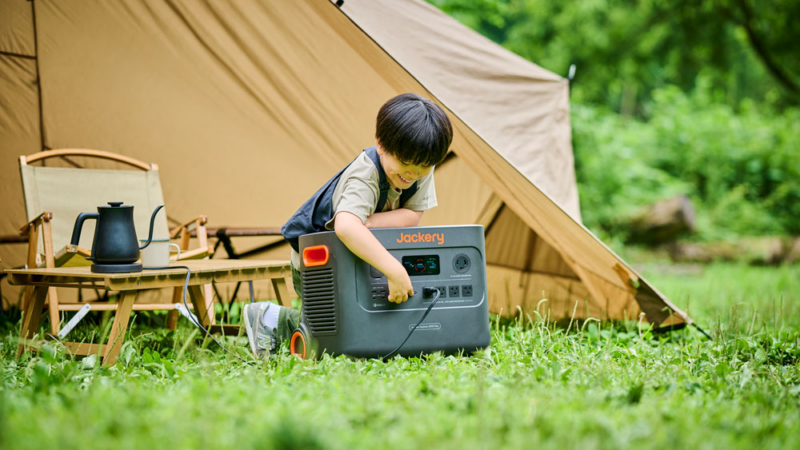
696 85
741 169
624 50
599 385
672 97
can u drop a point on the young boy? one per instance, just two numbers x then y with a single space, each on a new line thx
388 185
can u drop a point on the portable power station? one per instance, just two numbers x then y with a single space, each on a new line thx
345 300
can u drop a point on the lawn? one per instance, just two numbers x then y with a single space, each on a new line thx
596 385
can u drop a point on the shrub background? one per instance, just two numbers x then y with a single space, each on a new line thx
696 97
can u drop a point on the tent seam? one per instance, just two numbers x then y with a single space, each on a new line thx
16 55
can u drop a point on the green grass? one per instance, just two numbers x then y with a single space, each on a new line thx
600 386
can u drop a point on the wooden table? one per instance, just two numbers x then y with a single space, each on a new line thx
129 284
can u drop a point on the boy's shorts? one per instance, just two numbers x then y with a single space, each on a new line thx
296 281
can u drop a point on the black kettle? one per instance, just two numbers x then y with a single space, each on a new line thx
115 248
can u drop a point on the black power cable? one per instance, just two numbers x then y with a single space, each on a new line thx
425 291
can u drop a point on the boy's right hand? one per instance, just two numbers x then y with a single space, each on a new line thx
363 244
400 287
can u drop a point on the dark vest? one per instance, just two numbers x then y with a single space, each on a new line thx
318 210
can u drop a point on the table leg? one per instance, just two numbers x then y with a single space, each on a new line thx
282 292
27 298
55 319
209 296
119 328
201 308
33 313
172 316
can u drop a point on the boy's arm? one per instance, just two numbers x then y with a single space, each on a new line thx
352 232
401 217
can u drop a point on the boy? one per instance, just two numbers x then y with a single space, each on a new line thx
388 185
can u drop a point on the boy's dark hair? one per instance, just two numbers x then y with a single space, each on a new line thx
414 130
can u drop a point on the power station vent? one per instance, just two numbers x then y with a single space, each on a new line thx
319 306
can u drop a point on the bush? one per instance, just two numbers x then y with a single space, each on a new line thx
741 169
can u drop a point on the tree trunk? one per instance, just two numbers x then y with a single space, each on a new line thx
663 222
766 250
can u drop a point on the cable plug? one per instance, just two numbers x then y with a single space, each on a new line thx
429 291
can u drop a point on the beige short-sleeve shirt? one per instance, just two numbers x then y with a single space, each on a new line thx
358 191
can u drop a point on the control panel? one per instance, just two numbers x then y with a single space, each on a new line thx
456 272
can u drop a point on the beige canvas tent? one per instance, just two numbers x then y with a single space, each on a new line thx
265 100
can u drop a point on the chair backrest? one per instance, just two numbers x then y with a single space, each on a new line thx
67 192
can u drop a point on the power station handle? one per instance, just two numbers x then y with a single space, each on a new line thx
76 231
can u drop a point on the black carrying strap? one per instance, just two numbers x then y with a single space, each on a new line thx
383 184
312 215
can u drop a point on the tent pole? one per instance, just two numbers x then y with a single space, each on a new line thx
525 276
490 213
596 294
38 76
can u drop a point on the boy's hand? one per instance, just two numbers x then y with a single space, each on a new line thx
400 287
363 244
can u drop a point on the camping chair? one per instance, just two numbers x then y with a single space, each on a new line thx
54 196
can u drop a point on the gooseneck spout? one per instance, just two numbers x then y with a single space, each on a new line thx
152 221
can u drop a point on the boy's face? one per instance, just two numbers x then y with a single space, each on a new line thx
399 174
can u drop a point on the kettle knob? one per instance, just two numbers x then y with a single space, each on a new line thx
115 204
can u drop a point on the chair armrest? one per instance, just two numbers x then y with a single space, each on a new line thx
46 216
198 253
197 221
31 231
72 256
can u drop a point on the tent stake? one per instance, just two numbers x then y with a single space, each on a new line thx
702 331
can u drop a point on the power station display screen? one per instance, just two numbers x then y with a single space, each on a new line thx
421 265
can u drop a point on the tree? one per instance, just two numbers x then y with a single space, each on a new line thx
624 49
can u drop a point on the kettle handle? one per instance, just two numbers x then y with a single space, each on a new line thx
76 231
152 221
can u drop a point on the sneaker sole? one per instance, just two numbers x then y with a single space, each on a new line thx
249 330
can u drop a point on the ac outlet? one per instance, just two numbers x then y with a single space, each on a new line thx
442 291
453 291
466 290
461 263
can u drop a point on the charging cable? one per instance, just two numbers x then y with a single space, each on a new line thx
425 291
191 316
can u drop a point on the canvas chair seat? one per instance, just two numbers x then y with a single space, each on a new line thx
55 196
67 192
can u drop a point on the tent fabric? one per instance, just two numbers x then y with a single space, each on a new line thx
514 105
16 29
261 101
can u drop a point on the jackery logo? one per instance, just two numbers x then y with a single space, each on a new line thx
419 237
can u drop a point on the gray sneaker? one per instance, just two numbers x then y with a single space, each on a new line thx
262 339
